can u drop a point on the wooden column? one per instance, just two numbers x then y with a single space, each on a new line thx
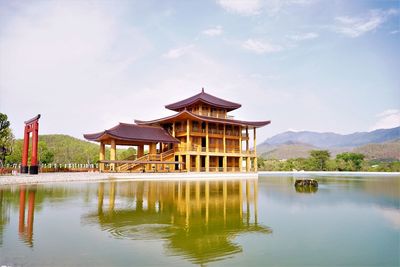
207 150
247 140
225 163
224 139
180 158
188 146
153 148
248 163
140 151
173 129
255 150
102 155
113 152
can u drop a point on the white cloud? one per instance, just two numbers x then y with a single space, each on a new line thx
357 26
395 32
304 36
261 47
65 60
387 119
216 31
177 52
242 7
256 7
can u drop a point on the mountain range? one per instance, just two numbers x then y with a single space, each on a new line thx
378 144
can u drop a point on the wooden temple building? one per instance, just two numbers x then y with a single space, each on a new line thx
200 137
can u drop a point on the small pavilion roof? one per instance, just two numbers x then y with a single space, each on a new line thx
132 134
189 115
203 97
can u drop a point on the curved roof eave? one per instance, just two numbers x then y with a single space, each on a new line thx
255 124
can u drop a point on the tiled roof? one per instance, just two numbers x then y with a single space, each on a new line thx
134 132
204 98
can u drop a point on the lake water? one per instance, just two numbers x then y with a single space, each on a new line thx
348 221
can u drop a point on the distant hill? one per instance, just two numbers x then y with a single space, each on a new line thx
286 151
385 151
332 140
70 149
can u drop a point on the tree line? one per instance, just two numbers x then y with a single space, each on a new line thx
320 160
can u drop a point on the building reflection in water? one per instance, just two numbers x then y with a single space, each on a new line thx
25 227
197 219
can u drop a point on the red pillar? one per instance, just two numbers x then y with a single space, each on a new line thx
34 168
31 212
21 224
24 165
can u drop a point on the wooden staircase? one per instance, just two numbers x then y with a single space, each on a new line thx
139 162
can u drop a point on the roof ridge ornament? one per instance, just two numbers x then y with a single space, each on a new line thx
202 89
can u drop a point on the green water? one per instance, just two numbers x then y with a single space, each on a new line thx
353 221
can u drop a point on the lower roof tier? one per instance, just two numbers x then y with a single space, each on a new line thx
132 134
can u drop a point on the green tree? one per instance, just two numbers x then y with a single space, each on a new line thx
319 159
45 156
353 161
6 138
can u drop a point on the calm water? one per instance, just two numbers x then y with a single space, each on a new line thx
346 222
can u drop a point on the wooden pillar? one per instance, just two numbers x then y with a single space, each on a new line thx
240 139
188 162
173 129
188 145
255 151
247 140
140 151
225 163
224 139
102 155
207 150
248 163
113 152
153 148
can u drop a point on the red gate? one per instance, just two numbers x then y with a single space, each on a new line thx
31 126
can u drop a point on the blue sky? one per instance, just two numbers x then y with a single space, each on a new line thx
304 64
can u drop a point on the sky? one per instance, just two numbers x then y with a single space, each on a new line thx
326 66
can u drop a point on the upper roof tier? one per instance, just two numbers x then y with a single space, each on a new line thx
206 99
125 133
